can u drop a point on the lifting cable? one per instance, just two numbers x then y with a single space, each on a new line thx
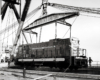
8 23
71 50
28 20
69 28
64 36
12 27
8 35
5 32
40 32
31 17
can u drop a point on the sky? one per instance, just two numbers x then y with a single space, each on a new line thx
85 27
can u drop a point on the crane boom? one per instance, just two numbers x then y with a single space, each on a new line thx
24 14
60 6
79 9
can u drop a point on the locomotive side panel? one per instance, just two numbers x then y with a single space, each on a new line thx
53 53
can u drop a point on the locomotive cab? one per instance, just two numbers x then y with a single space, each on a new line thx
79 59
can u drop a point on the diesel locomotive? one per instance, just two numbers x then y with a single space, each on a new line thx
59 53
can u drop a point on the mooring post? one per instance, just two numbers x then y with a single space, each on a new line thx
8 63
24 72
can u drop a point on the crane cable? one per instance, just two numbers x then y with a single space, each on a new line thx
40 30
15 27
70 53
8 23
12 28
70 26
27 22
37 9
15 23
64 36
30 18
5 32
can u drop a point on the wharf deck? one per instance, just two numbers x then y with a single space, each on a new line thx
83 73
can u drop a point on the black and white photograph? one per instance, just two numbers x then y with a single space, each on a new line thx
49 39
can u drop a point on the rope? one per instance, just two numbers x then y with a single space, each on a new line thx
40 31
9 23
70 51
5 32
31 17
8 35
63 36
66 33
69 28
12 27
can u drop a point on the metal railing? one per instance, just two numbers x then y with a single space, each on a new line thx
95 64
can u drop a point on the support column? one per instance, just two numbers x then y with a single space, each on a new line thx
0 27
26 8
71 46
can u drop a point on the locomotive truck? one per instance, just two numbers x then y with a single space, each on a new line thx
59 53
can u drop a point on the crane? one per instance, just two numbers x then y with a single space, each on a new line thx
79 9
64 7
59 6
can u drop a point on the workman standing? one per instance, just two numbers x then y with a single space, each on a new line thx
90 60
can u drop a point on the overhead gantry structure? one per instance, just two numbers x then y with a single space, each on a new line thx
73 9
55 5
45 19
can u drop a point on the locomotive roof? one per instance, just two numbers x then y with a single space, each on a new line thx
51 40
